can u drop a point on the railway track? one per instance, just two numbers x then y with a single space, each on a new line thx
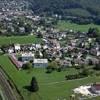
6 87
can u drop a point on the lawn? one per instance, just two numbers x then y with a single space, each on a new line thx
51 86
62 25
18 39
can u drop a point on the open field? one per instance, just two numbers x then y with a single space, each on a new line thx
62 25
52 86
18 39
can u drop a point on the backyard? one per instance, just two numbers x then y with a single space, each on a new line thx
51 86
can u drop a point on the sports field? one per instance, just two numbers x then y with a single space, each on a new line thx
51 86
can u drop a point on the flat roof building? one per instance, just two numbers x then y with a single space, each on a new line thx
40 63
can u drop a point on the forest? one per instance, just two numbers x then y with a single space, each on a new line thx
88 10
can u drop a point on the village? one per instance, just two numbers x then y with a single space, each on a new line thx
67 48
57 51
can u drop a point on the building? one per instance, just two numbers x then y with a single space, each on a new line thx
17 47
40 63
22 29
10 50
27 57
84 90
95 88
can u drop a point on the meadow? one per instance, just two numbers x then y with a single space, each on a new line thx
51 86
64 25
18 39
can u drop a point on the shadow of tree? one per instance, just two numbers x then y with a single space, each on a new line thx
28 88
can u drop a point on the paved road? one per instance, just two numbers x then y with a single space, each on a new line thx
6 87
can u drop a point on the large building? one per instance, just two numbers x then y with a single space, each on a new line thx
27 57
40 63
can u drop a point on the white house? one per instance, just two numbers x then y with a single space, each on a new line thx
11 50
98 53
17 47
38 46
22 29
40 63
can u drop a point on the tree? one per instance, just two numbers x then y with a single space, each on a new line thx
39 35
87 71
27 66
53 65
28 28
90 62
93 32
97 66
34 85
37 55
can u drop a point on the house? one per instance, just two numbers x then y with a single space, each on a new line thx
65 63
17 47
38 46
22 29
95 88
10 50
27 57
98 53
40 63
91 58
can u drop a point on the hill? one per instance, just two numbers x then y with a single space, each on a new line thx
76 8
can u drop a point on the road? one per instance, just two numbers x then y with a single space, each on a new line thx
9 93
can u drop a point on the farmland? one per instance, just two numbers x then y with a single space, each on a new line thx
18 39
63 25
52 86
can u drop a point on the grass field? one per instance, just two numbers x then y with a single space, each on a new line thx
18 39
62 25
52 86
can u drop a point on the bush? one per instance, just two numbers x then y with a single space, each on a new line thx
59 69
97 73
26 66
76 76
49 71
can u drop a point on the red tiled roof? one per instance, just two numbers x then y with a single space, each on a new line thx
15 62
97 86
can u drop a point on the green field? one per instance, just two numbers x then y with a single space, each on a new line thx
18 39
52 86
62 25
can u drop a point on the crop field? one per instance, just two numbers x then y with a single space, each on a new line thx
51 86
18 39
62 25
